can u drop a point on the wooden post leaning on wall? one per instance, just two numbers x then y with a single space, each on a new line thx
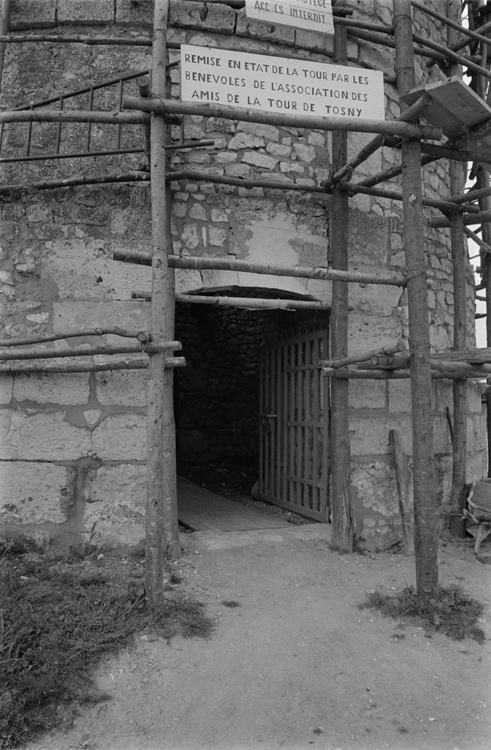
341 510
425 508
459 264
162 532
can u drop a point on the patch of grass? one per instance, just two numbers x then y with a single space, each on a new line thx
57 619
11 546
449 612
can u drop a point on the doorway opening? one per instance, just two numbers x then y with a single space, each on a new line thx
222 440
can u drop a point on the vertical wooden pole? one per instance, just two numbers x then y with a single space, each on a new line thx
425 507
483 181
162 533
459 263
4 30
342 516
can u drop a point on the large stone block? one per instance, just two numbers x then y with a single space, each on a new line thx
6 388
70 316
266 31
367 394
52 388
121 437
122 388
372 300
400 396
32 14
115 511
369 240
85 269
476 466
476 432
260 160
134 14
195 15
32 492
368 332
316 42
474 398
85 11
442 395
374 490
356 141
369 435
442 442
38 436
270 132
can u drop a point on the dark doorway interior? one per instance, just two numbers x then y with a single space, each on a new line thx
217 393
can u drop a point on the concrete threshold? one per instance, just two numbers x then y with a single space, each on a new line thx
212 540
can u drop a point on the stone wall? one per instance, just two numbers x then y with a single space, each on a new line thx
73 446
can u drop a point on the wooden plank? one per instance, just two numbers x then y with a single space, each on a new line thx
203 510
405 501
455 106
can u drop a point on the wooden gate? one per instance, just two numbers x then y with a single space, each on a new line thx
293 466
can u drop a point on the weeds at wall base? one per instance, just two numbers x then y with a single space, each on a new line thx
451 612
58 618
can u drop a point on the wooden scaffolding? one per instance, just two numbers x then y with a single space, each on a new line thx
156 111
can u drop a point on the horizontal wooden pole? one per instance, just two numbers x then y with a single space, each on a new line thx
227 264
421 51
76 39
73 115
75 181
332 372
89 351
448 22
483 217
453 154
431 152
60 335
459 367
192 174
245 302
479 356
364 356
69 367
48 367
354 188
450 55
471 195
391 127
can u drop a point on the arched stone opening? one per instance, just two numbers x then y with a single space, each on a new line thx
217 394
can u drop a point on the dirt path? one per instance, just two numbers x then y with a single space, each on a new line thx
297 665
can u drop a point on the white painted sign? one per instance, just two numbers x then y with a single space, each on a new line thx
280 84
314 15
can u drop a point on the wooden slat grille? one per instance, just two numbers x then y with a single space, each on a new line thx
294 426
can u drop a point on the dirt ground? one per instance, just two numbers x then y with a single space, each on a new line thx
296 664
